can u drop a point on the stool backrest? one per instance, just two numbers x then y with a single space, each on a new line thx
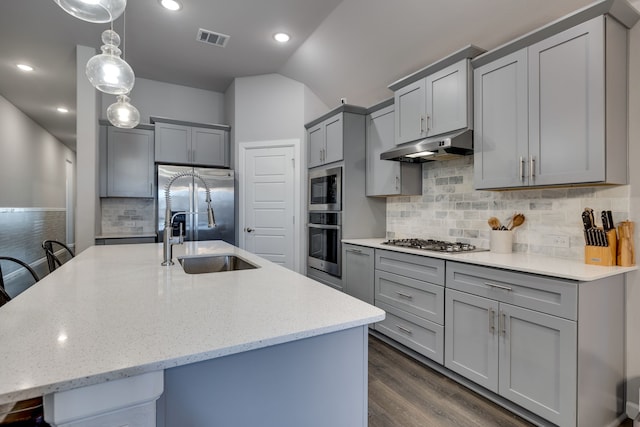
4 296
49 247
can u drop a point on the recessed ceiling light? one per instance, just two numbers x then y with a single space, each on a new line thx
172 5
62 110
282 37
25 67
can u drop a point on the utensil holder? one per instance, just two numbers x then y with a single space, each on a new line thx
603 255
501 241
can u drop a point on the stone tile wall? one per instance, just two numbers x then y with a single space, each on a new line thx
128 216
450 209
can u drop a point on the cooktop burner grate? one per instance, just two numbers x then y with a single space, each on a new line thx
434 245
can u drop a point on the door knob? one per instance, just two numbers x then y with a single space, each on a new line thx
248 229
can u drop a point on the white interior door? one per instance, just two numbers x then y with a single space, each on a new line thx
268 202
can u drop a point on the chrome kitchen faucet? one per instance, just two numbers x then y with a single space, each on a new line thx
169 240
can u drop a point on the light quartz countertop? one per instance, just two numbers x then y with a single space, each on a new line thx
526 263
114 312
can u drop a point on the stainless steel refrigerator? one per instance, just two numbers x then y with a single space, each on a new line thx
188 194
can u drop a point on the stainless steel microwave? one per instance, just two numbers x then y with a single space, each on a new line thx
325 189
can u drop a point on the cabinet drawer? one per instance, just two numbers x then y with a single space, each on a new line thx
414 296
552 296
423 336
415 266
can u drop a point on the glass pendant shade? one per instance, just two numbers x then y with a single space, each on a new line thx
107 72
122 114
99 11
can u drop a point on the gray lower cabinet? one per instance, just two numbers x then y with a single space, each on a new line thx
539 342
191 145
410 288
385 177
358 272
554 112
128 169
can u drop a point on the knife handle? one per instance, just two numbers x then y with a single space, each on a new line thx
605 221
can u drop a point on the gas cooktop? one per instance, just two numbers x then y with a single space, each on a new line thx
434 245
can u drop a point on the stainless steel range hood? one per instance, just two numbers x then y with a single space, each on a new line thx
443 147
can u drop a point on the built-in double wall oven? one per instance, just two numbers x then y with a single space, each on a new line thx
325 220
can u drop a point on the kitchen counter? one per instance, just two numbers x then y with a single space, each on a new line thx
125 236
523 262
114 312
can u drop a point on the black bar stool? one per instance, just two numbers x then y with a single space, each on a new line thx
52 260
4 296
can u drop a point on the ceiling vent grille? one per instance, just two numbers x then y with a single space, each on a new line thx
210 37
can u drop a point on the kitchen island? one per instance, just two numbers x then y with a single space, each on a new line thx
238 347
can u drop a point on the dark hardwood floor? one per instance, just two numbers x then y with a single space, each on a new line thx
406 393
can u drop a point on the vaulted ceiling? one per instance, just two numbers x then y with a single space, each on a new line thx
339 48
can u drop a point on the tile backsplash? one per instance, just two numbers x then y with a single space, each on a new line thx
128 216
450 209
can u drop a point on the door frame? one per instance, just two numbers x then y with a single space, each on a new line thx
298 178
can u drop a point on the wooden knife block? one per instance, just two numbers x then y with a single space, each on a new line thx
626 251
603 255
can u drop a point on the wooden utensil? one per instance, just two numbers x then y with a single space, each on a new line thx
517 221
494 223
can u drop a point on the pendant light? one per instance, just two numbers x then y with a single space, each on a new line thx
107 72
97 11
122 114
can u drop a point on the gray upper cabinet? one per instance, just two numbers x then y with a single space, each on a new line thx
384 177
438 103
191 145
449 99
410 112
325 141
501 140
554 112
129 163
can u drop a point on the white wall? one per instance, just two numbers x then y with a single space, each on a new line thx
633 279
272 107
32 164
159 99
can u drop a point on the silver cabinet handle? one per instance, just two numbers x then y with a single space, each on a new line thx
405 330
492 320
522 169
503 322
397 182
355 251
403 295
493 285
249 230
151 188
428 120
532 171
421 124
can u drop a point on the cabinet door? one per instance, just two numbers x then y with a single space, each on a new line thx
410 105
358 272
333 139
567 106
315 136
538 363
383 176
209 147
471 338
447 99
173 143
501 120
129 163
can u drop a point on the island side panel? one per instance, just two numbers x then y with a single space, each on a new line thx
313 382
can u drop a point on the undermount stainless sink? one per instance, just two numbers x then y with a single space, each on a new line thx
199 264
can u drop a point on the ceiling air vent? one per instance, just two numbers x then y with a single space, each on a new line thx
216 39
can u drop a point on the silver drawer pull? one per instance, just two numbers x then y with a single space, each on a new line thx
405 330
493 285
403 295
356 251
492 320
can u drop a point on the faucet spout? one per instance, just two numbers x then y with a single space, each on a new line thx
168 239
